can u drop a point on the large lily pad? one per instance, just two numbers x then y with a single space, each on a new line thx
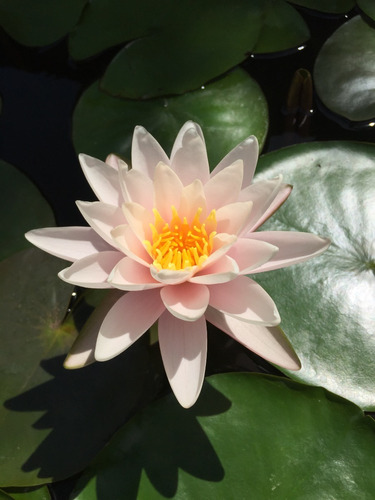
368 7
22 208
249 436
344 71
229 110
331 7
327 304
39 22
26 494
53 421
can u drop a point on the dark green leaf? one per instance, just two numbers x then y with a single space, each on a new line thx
249 436
368 7
327 304
344 71
229 110
27 494
332 6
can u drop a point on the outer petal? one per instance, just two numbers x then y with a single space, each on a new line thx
246 300
183 346
250 254
167 190
294 247
102 217
280 198
128 243
137 187
92 271
224 188
189 155
247 151
146 152
116 162
187 301
103 179
268 342
129 275
232 218
82 351
69 243
128 319
220 271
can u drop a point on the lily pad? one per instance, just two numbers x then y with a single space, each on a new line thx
344 71
22 208
327 304
53 421
331 7
229 110
26 494
40 22
249 436
368 7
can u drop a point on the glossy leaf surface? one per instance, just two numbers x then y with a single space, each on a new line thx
344 71
229 110
263 435
327 304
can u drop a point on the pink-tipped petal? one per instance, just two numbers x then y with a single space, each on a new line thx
183 346
268 342
167 190
128 243
102 217
247 151
82 351
68 243
146 152
129 275
139 219
116 162
246 300
250 254
224 188
169 277
189 155
232 218
128 319
137 187
294 247
192 199
223 270
103 179
92 271
187 301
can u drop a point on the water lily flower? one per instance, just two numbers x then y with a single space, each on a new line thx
178 241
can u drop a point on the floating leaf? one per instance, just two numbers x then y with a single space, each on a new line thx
368 7
27 494
331 7
249 436
344 71
22 208
327 304
229 110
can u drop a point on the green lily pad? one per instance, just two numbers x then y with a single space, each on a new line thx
331 7
26 494
368 7
344 71
22 208
327 304
249 436
229 110
54 421
40 22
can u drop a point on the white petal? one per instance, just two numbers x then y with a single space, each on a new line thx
116 162
192 199
146 152
68 243
167 190
246 300
294 247
101 217
183 346
139 219
129 275
137 187
187 301
232 218
92 271
82 351
189 155
128 243
250 253
268 342
247 151
280 198
128 319
103 179
220 271
224 188
168 277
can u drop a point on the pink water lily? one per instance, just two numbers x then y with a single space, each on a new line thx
179 242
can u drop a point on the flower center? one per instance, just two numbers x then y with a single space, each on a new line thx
177 244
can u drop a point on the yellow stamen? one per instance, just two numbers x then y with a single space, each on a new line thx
177 244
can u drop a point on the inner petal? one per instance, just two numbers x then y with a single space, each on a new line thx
179 244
